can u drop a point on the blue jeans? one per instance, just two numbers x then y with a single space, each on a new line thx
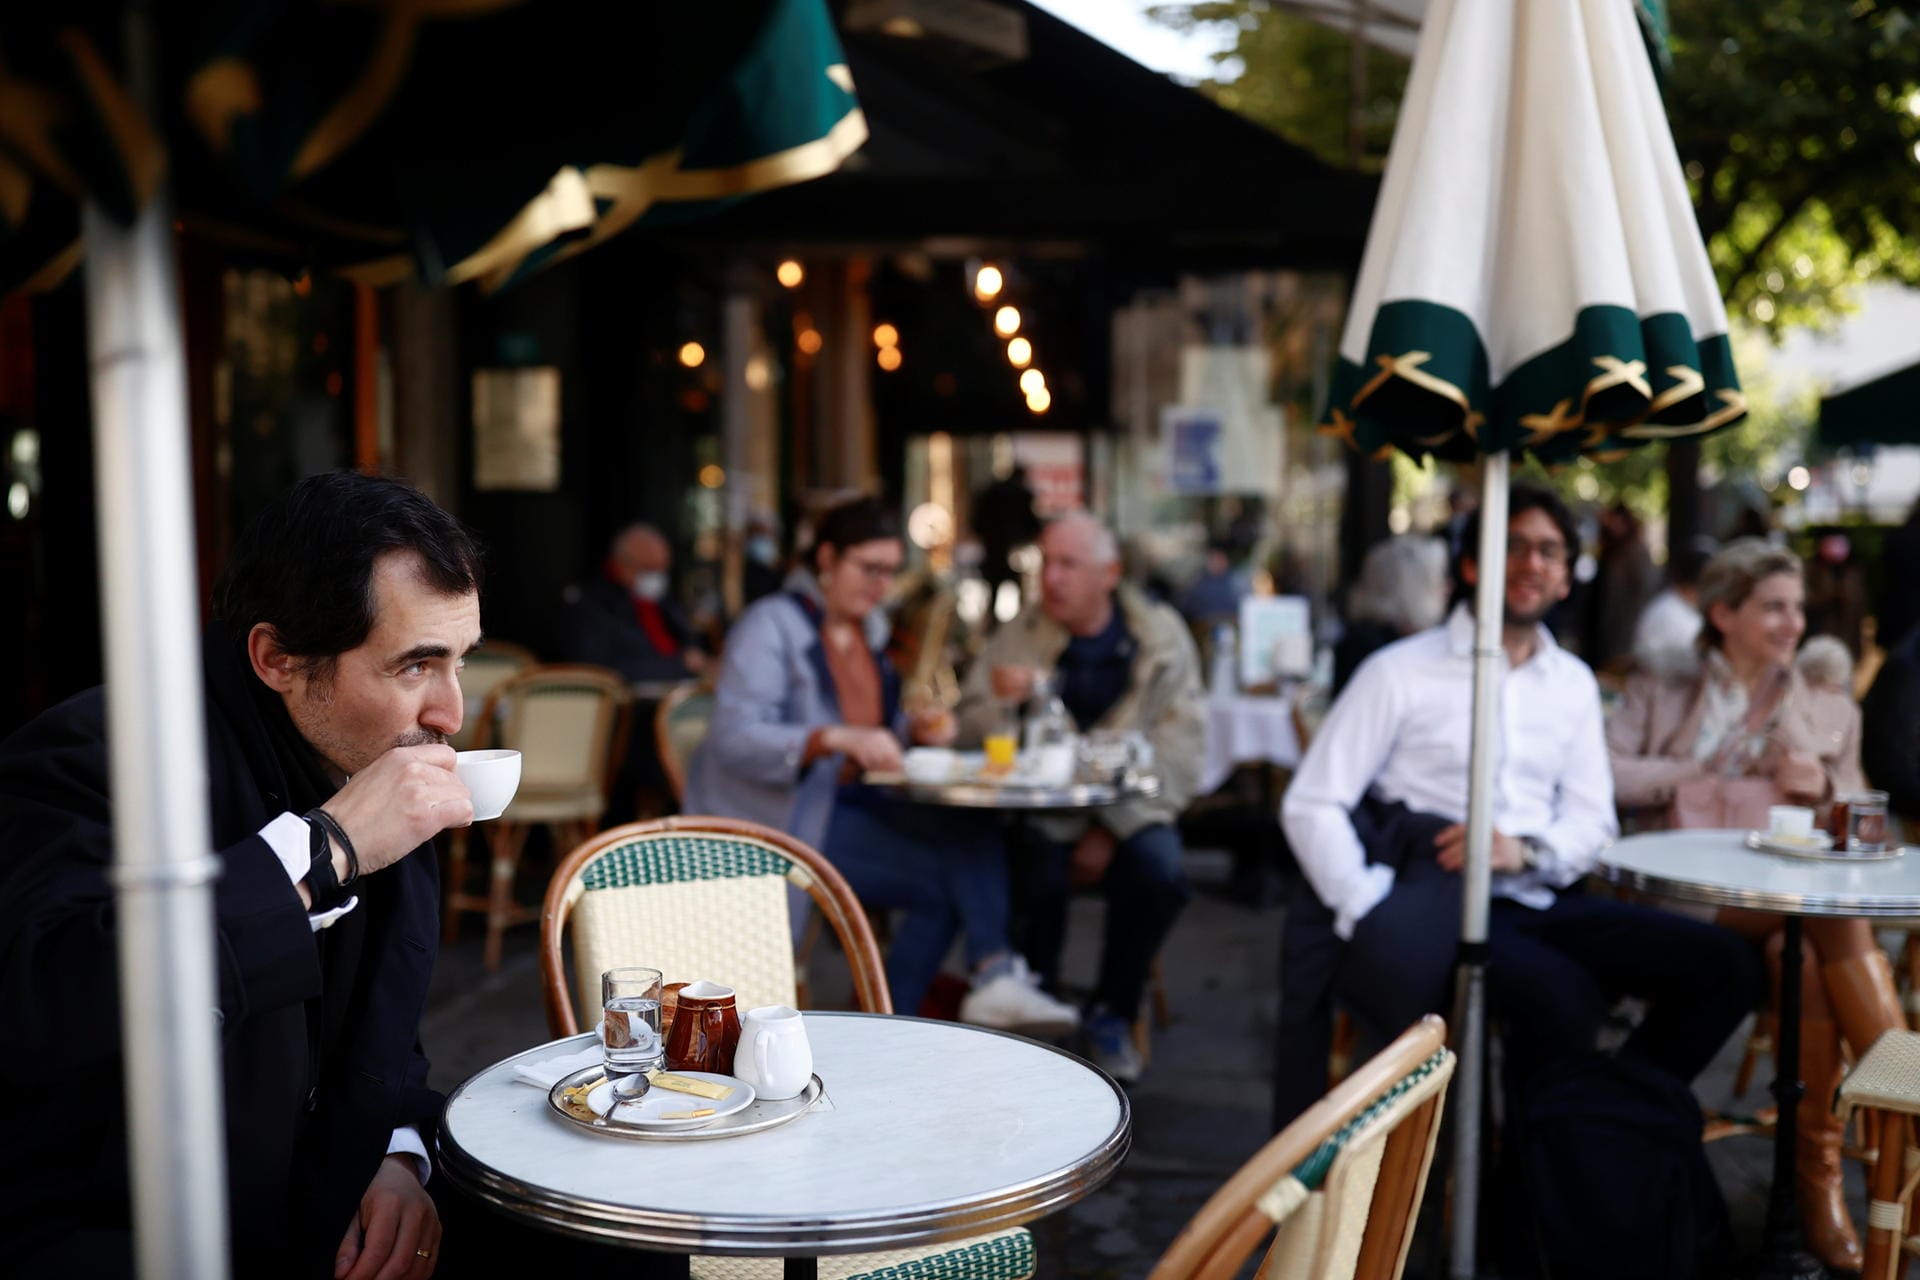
1145 889
946 870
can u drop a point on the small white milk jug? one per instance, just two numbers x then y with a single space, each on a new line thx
774 1056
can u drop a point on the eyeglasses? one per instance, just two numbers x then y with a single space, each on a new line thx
875 571
1552 551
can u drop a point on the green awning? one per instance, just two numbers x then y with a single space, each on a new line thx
1883 411
448 140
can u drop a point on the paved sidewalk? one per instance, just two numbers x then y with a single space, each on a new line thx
1201 1110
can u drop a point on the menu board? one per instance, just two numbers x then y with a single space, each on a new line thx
1276 640
516 429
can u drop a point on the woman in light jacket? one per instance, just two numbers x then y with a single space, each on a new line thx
1667 730
807 702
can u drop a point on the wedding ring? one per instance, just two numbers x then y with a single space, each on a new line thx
423 1253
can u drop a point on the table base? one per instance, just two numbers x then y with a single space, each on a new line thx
1782 1255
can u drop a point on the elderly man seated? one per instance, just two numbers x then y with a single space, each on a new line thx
626 620
1119 662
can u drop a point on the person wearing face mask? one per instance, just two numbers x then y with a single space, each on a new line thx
760 567
1745 708
625 620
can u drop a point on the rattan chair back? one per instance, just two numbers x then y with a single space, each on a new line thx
1338 1188
695 897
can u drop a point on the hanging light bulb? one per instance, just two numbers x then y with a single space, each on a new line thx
885 335
1006 321
889 358
1033 380
1020 353
1039 401
790 273
987 283
693 355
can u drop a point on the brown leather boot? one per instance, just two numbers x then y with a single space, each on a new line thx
1865 1003
1823 1202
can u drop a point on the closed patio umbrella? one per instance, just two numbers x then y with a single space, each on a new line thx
1534 279
446 139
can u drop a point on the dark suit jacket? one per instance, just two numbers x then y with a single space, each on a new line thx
1311 953
606 634
319 1032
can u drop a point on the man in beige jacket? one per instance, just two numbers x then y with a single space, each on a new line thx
1119 662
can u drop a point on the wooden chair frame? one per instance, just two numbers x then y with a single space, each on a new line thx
1227 1229
831 895
506 840
670 762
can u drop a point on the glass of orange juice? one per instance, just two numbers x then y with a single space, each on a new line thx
1001 747
1002 741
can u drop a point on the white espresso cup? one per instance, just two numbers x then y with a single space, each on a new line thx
774 1056
1790 820
492 777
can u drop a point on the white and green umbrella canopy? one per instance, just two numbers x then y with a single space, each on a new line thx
1534 280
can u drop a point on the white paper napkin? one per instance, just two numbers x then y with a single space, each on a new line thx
544 1073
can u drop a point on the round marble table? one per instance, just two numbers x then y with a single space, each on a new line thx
930 1131
1717 868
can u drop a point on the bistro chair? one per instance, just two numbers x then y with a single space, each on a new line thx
569 724
699 897
485 668
679 727
1885 1086
1339 1188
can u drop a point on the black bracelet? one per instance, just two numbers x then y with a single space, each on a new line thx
323 886
339 834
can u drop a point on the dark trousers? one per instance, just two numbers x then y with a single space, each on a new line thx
1145 890
1553 974
1551 977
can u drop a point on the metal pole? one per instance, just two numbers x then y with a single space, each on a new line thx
1489 607
163 859
1783 1249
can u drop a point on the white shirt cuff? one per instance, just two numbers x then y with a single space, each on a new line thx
406 1141
292 843
1375 884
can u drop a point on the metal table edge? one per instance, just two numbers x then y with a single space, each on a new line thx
1800 904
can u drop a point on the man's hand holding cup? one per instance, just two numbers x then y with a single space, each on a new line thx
399 802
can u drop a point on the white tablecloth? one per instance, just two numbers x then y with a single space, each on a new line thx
1247 729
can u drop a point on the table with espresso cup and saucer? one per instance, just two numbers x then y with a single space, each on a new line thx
913 1132
1797 872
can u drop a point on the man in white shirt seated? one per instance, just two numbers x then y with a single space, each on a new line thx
1376 815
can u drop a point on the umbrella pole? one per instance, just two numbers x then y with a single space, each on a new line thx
1470 1026
163 864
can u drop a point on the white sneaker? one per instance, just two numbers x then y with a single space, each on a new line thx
1013 1001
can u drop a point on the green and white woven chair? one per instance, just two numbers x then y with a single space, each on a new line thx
699 897
1338 1188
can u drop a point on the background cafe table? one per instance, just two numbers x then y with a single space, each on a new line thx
1716 867
935 1131
1015 796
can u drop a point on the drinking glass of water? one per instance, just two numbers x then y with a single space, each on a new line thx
630 1028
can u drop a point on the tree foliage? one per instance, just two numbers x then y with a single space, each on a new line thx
1798 122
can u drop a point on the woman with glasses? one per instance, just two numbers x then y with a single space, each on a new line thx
807 703
1743 709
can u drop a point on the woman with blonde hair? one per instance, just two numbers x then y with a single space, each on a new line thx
1744 709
